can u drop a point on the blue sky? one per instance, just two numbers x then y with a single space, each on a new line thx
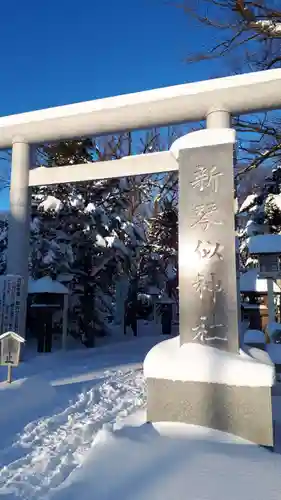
60 52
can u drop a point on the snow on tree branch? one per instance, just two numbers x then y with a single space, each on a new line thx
269 27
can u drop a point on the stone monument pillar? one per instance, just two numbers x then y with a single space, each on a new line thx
201 377
207 255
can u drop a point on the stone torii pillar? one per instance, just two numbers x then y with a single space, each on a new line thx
19 220
201 377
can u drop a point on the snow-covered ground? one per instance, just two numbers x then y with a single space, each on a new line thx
52 412
168 461
62 437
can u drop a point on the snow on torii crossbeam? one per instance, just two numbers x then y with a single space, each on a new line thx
124 167
181 103
166 106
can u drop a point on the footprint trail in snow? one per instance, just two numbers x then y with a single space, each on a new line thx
52 447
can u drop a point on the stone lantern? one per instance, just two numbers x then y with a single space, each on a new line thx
267 249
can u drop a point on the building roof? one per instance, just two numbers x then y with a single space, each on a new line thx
265 243
46 285
14 335
250 282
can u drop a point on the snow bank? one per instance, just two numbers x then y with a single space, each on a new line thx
254 336
24 397
71 446
92 387
168 461
200 363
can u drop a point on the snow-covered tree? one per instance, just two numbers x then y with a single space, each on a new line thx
92 235
82 229
245 35
159 257
260 213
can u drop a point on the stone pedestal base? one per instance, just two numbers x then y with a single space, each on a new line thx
243 411
224 402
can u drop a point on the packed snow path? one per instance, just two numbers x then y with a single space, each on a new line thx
44 453
52 447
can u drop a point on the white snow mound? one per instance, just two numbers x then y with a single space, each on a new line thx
200 363
168 461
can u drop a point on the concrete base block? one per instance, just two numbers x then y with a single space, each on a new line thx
198 384
242 411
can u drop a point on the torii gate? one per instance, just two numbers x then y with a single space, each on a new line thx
207 272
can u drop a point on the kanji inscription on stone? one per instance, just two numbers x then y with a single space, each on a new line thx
207 259
203 215
204 285
206 333
207 250
206 177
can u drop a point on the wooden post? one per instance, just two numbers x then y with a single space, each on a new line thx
270 298
9 377
65 321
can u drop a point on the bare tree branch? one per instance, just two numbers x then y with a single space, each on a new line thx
247 34
270 27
